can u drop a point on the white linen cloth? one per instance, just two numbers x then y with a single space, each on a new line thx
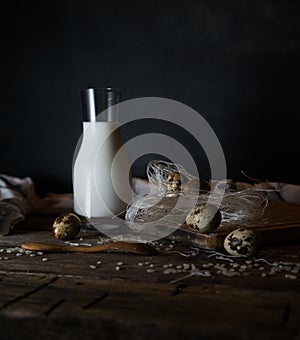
18 198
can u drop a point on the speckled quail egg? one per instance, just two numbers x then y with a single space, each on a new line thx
243 242
66 226
204 218
173 184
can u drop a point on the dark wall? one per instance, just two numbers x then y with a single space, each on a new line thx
235 62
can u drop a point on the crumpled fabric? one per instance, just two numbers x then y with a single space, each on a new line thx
15 197
18 198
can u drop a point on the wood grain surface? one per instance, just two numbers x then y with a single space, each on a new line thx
127 296
279 224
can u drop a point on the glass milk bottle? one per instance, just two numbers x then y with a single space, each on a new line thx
101 176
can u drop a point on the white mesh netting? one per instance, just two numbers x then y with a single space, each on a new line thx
237 206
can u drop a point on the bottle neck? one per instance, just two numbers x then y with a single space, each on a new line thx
99 104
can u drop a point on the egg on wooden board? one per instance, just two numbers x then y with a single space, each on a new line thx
204 218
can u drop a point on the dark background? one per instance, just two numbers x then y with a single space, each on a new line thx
235 62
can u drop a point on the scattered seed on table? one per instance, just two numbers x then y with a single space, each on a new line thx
117 268
99 262
228 273
32 255
292 277
170 271
150 270
40 253
74 244
140 264
119 263
151 265
92 266
218 266
44 259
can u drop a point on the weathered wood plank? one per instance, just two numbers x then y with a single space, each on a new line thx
13 289
153 268
211 310
64 297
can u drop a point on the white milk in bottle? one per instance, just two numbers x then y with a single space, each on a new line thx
101 176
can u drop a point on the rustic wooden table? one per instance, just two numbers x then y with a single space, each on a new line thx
111 295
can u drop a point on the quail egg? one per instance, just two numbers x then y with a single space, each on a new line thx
173 184
204 218
66 226
243 242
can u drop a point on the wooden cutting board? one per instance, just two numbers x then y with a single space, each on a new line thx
279 224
